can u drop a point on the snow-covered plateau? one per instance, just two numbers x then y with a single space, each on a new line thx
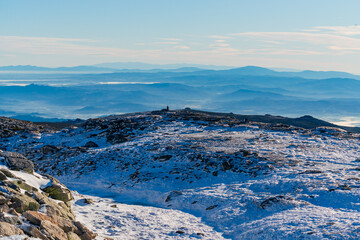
189 175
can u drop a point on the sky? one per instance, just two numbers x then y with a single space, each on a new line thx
316 34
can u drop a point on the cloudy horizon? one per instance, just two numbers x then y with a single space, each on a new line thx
201 32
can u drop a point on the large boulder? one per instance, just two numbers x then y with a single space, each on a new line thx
66 224
59 192
33 231
6 230
16 161
85 233
52 231
37 217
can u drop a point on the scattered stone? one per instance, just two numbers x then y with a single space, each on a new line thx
345 187
311 172
91 144
180 232
88 201
212 207
113 206
226 166
49 149
163 158
278 199
172 195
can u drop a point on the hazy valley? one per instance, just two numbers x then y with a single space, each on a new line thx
332 96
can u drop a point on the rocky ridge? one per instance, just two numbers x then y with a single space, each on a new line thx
238 174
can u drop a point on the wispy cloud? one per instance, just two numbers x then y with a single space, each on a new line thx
166 43
60 46
307 47
171 39
331 38
182 47
220 37
220 45
342 30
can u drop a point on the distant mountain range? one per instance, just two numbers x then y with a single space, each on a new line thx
28 68
200 69
149 66
259 71
92 91
127 67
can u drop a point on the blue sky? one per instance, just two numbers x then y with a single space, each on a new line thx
319 35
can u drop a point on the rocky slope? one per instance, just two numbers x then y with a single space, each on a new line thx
35 205
247 179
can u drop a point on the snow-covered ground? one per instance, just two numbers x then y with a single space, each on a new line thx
245 181
109 218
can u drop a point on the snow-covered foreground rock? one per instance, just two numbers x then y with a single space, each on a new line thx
124 221
32 205
247 180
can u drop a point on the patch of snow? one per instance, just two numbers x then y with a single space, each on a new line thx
122 221
34 180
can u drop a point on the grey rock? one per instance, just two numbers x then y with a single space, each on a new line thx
2 176
49 149
6 230
33 231
14 220
91 144
16 161
172 195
